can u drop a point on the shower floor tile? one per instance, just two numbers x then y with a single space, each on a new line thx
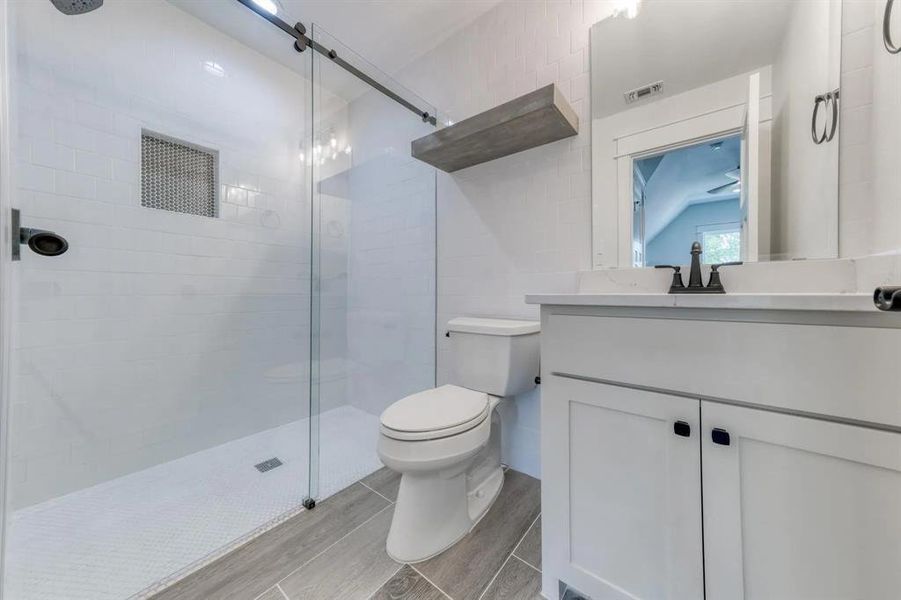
119 539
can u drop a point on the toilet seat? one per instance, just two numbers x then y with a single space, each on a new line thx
436 413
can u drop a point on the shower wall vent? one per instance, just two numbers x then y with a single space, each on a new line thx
643 92
178 176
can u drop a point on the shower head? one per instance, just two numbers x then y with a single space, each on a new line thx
76 7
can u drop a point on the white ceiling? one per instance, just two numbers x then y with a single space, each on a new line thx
389 34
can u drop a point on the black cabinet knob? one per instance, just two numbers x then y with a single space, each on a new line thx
682 429
720 436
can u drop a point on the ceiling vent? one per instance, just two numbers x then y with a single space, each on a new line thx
643 92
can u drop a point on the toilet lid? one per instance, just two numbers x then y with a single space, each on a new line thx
446 410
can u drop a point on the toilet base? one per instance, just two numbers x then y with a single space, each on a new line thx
432 514
481 498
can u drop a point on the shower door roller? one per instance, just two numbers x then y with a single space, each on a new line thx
45 243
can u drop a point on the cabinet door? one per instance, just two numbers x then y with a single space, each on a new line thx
621 491
798 508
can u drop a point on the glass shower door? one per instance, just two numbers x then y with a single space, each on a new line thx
159 376
373 257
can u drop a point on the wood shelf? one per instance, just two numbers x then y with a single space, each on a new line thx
532 120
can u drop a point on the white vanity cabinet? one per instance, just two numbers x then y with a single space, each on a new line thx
799 508
658 485
634 509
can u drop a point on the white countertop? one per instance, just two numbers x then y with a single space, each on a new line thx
785 301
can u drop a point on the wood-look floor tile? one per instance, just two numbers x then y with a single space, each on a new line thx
516 581
464 570
407 584
353 569
259 564
272 593
529 548
384 481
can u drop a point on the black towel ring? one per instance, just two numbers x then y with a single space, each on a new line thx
830 126
818 138
832 98
887 29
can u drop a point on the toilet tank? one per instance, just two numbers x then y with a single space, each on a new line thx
495 356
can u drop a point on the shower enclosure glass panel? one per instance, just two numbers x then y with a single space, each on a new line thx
373 263
166 353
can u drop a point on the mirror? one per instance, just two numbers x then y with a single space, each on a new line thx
715 122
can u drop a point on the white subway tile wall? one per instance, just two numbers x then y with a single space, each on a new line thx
158 334
869 179
391 263
376 225
856 189
522 223
99 324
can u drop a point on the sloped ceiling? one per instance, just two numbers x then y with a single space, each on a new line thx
683 177
390 34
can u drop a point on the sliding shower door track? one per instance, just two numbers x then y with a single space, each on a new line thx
302 42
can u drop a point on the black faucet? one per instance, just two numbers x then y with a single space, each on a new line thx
694 278
695 285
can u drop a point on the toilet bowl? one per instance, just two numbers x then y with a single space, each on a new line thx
441 495
446 442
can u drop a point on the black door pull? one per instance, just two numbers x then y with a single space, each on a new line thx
682 429
720 436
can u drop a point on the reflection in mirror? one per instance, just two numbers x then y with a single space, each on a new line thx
715 122
686 195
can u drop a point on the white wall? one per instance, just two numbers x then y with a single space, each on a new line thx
158 334
805 175
516 225
333 241
388 272
870 181
522 223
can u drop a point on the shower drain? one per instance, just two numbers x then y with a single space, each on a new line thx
268 465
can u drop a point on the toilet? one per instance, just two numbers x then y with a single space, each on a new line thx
446 442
